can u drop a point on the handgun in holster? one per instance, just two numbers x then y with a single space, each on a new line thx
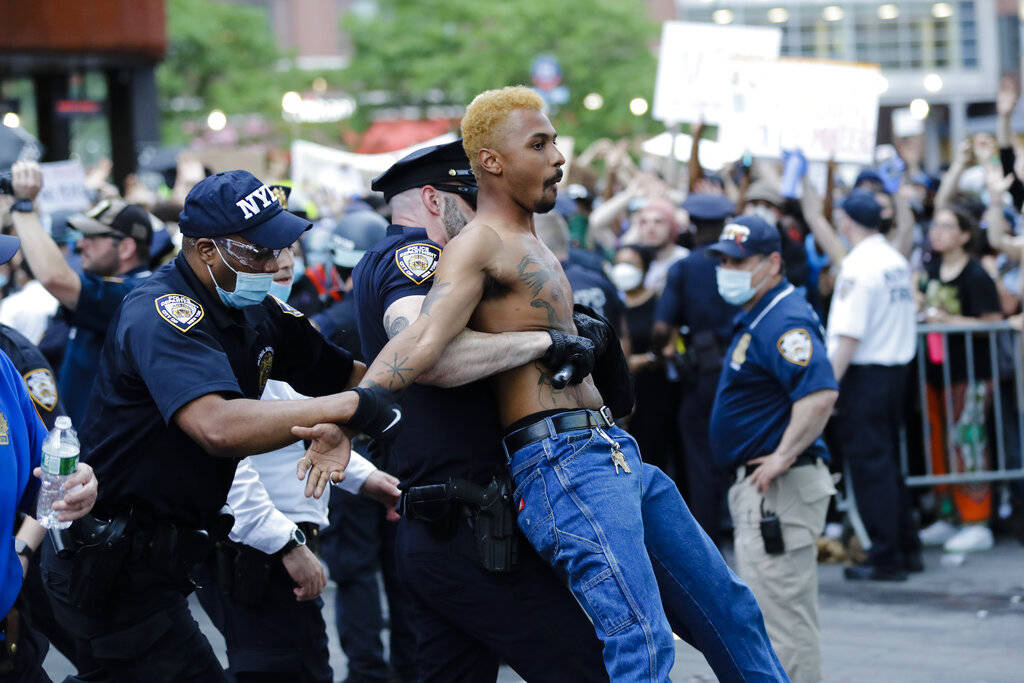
97 549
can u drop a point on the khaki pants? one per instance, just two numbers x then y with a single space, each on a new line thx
786 585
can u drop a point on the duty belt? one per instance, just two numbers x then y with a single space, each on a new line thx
563 422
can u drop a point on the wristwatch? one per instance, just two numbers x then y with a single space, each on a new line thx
296 539
21 547
23 206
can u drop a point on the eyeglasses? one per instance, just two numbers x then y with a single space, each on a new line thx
468 192
249 255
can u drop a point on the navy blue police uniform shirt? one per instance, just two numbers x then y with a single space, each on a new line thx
97 302
36 373
592 289
445 433
691 297
171 342
776 358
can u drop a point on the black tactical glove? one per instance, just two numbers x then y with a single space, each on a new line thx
569 351
611 370
377 415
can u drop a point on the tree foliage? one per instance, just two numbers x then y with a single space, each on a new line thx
461 47
221 56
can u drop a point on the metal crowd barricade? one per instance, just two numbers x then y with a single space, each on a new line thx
998 469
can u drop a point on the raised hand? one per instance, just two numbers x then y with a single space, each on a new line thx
326 458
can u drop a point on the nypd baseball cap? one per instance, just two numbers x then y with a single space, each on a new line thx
9 245
746 236
862 207
237 202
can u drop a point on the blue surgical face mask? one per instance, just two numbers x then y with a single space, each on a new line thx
250 288
281 291
734 285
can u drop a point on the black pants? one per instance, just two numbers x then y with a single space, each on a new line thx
280 638
870 409
468 620
31 650
147 632
706 485
358 542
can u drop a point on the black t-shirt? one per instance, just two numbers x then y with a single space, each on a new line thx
973 294
639 322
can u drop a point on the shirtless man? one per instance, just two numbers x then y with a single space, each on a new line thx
614 526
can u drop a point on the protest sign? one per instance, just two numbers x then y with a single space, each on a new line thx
63 187
694 68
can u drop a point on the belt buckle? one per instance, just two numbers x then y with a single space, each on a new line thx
606 413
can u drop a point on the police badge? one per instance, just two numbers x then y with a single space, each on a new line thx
264 364
180 311
418 261
795 346
42 388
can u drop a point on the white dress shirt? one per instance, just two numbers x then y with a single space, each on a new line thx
268 500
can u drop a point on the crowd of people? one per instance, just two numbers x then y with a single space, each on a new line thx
746 309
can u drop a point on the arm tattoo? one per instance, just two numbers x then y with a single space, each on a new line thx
438 291
397 368
534 280
393 327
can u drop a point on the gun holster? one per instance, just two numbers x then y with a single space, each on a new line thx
10 632
488 510
243 572
97 549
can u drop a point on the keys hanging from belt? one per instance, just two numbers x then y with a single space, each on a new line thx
618 459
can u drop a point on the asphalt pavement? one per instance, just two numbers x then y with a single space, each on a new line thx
951 623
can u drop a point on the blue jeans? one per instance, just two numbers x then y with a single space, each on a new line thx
618 538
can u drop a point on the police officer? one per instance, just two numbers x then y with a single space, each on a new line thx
688 303
774 397
175 407
115 243
871 338
467 618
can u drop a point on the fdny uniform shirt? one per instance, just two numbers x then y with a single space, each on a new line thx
444 432
873 303
99 298
776 358
173 341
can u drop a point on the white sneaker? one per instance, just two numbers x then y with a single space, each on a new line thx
973 538
937 533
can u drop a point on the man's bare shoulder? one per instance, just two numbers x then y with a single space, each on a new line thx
475 241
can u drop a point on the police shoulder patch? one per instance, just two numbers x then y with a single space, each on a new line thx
42 388
290 310
179 311
417 261
796 347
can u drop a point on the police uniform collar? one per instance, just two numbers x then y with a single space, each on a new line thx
394 229
214 309
751 317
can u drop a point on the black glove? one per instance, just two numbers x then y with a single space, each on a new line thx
597 330
569 350
611 370
377 414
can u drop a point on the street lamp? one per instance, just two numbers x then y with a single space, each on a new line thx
919 109
12 120
638 106
593 101
216 120
933 82
291 102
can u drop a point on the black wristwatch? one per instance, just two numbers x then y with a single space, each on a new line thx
23 206
294 541
21 547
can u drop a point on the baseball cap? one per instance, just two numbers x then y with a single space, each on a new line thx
237 202
438 164
762 190
113 216
868 175
745 236
9 245
354 233
862 207
708 207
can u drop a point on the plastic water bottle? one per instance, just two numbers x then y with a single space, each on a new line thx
60 460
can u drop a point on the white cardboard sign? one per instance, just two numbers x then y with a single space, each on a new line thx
694 68
63 187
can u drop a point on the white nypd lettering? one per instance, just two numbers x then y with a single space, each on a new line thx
250 207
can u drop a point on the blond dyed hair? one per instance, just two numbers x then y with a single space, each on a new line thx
483 123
